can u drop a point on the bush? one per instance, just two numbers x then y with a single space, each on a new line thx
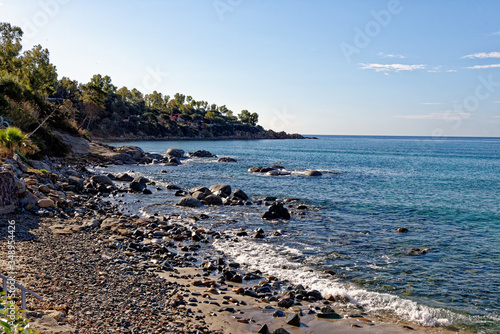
12 320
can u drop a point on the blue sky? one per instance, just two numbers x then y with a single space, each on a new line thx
351 67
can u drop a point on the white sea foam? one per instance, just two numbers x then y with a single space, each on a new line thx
274 260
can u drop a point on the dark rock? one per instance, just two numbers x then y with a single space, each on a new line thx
254 169
101 179
223 190
314 294
213 200
124 177
147 192
281 331
259 234
202 189
76 181
286 302
189 202
270 199
238 193
226 159
263 330
278 314
139 184
293 319
201 154
314 173
276 211
173 187
175 152
276 172
198 195
302 207
180 193
251 293
402 230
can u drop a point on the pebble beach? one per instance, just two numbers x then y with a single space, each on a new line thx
100 270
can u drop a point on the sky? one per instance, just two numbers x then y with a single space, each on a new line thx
350 67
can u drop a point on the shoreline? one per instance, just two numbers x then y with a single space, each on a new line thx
109 240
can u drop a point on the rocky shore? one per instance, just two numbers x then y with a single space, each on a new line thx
100 270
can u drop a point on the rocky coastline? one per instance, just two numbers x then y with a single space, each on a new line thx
100 270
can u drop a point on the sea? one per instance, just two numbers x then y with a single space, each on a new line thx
445 191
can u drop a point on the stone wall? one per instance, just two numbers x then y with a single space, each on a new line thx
8 193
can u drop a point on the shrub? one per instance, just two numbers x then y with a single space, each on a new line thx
12 139
12 320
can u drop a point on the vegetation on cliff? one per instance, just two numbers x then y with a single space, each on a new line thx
35 100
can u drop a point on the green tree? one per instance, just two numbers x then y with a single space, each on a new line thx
248 118
37 73
10 47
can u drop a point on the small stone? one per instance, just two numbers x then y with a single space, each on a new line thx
281 331
278 314
402 230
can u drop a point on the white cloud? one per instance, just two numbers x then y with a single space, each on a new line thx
449 115
389 55
482 55
451 71
480 67
495 33
391 67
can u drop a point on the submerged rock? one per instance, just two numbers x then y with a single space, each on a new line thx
226 159
417 251
314 173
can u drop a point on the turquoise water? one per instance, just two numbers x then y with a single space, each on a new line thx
445 191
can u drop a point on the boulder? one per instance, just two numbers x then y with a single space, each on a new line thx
173 187
45 202
238 193
21 186
402 230
76 181
254 169
133 151
154 156
213 200
175 152
201 154
29 200
189 202
9 197
224 190
202 189
276 211
198 195
314 173
101 179
226 159
139 184
286 302
124 177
